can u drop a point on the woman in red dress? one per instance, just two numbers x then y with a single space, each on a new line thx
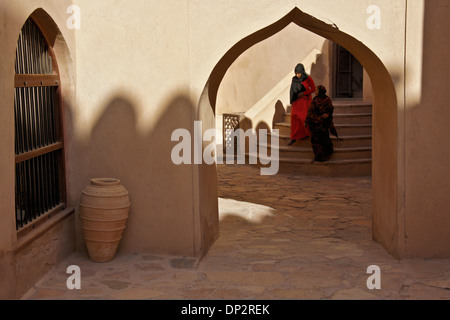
302 87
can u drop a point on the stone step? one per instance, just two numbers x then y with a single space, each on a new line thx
353 149
351 129
349 106
330 168
343 118
352 118
342 142
347 129
284 128
308 154
352 107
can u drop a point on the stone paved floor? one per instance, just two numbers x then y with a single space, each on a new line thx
281 237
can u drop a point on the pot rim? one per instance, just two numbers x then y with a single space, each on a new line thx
105 182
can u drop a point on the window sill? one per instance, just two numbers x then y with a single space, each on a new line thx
40 226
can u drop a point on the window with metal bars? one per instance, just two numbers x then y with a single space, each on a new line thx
40 176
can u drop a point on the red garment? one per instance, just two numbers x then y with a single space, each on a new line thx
300 109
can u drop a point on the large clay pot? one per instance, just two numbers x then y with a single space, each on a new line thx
104 208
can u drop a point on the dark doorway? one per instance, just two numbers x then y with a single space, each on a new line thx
348 74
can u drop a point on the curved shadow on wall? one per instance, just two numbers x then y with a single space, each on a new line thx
278 113
160 218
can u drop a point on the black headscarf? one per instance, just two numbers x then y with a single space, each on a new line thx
301 69
322 91
296 85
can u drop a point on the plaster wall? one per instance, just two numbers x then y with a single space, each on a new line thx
427 148
133 91
145 70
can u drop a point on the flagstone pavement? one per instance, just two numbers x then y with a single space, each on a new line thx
281 237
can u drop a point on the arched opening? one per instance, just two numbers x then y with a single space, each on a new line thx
43 92
39 124
385 226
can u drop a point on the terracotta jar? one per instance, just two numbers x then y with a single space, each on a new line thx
104 208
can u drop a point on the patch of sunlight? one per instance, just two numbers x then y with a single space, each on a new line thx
252 212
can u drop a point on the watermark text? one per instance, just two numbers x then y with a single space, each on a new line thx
202 147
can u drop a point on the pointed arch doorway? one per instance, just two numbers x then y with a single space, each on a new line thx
386 228
347 74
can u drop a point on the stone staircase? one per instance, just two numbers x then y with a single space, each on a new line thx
353 151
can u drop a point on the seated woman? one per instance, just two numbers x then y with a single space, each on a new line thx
319 120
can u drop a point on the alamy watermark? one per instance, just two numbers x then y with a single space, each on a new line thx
74 280
190 149
74 20
374 20
374 281
182 154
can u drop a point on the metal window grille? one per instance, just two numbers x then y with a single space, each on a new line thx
39 185
230 123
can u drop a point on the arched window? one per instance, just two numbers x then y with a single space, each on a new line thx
40 174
